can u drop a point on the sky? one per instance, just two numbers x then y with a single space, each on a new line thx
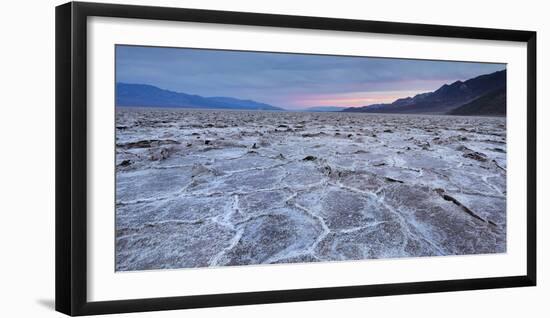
291 81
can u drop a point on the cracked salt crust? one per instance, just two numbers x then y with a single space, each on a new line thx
198 188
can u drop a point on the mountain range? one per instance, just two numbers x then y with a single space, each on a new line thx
142 95
482 95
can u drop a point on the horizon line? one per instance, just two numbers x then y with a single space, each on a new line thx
306 107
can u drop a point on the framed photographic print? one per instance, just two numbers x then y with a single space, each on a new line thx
210 158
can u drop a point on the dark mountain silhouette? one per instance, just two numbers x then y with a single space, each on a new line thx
141 95
490 104
445 99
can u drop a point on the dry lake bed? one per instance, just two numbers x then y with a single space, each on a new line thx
199 188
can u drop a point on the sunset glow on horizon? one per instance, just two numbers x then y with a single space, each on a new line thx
354 99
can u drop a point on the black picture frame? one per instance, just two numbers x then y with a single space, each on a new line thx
71 157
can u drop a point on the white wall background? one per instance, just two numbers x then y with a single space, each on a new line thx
27 158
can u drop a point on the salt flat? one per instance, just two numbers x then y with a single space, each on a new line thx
199 188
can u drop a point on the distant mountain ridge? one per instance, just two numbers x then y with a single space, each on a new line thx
143 95
324 109
451 97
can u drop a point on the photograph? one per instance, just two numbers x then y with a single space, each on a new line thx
232 158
